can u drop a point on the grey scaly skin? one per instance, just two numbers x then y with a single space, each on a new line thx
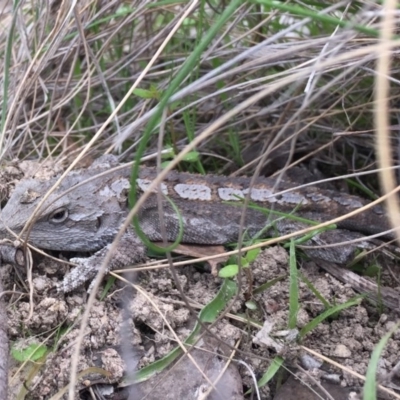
86 211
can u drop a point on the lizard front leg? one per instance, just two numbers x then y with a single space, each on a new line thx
11 254
129 250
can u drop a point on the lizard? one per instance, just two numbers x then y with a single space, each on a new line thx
86 210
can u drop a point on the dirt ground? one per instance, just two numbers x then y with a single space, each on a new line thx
347 339
128 330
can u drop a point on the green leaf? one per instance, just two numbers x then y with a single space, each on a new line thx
168 153
373 271
208 314
123 10
164 164
229 271
145 94
252 254
192 156
33 352
251 305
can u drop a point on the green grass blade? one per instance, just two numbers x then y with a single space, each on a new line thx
186 69
316 16
6 76
207 315
370 386
268 284
335 309
316 293
294 289
271 371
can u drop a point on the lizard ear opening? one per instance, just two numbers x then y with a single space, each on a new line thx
58 216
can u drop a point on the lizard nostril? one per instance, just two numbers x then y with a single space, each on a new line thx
98 225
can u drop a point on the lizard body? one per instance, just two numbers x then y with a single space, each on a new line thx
86 211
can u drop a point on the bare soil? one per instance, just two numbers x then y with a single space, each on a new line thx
127 330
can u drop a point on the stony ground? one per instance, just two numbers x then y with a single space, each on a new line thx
128 329
347 339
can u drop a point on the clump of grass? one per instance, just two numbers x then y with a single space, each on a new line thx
76 65
261 85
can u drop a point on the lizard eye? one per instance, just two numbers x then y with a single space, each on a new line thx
59 215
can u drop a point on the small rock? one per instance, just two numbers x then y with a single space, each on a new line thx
342 351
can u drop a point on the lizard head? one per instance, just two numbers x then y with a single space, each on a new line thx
73 218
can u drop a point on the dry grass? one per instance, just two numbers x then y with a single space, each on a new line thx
267 89
69 69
